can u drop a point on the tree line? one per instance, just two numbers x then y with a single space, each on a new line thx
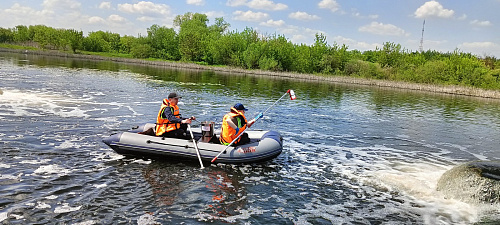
198 41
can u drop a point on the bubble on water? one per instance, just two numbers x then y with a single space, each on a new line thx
65 208
35 161
51 197
40 103
51 169
68 144
100 185
88 222
42 205
4 216
147 219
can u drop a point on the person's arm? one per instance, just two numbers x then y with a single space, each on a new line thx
231 123
251 122
167 113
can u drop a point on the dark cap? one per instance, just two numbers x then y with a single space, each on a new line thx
173 95
240 106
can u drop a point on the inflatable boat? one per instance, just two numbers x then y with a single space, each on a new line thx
264 145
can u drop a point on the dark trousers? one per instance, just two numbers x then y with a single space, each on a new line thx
179 133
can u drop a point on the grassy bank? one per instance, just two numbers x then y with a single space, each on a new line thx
124 58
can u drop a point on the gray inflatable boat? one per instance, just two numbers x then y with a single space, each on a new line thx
264 145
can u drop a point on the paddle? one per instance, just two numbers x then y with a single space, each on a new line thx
292 97
195 146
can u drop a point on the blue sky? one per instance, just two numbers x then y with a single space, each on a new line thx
470 26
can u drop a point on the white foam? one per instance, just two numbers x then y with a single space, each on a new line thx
100 185
51 169
413 175
88 222
42 205
3 216
35 162
108 155
51 197
65 208
40 103
146 219
67 144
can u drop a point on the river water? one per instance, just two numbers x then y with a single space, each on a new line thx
352 154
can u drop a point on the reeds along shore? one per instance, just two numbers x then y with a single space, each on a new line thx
446 89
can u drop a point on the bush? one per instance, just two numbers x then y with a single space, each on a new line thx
141 51
266 63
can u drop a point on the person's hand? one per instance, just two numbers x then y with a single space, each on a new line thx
192 118
186 121
237 130
259 116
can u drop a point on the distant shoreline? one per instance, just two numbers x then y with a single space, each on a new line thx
449 89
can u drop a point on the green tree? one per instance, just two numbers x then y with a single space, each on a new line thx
46 37
6 35
192 33
126 43
141 48
164 42
21 34
282 51
390 55
75 39
318 50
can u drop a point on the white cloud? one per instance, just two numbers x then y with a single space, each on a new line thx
105 5
61 4
480 48
383 29
145 8
359 15
483 45
96 20
214 14
145 19
250 16
303 16
258 4
19 11
24 15
266 5
329 4
300 34
116 18
481 23
195 2
353 44
235 3
273 23
433 9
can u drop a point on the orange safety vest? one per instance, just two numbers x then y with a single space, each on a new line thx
228 134
163 124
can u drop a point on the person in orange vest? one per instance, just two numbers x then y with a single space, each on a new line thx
169 122
235 123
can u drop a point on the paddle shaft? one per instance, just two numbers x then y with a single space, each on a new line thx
215 158
195 145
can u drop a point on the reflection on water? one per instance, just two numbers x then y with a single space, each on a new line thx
172 182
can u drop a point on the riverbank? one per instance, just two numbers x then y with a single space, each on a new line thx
448 89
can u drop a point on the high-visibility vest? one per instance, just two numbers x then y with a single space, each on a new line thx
228 134
163 124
